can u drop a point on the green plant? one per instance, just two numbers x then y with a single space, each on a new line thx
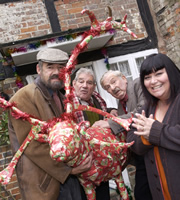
4 139
4 135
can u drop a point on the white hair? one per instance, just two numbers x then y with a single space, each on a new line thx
84 71
108 73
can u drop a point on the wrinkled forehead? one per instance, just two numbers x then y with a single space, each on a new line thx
85 77
109 78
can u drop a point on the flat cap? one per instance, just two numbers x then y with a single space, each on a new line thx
51 55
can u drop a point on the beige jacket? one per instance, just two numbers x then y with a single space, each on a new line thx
39 176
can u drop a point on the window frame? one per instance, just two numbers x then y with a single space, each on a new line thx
131 58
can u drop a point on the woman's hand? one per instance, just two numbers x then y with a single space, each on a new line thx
143 124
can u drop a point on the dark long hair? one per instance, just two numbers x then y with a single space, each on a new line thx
156 62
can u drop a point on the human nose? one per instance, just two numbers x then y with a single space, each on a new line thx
153 79
56 70
112 86
84 84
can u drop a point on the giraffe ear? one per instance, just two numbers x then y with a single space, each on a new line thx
109 11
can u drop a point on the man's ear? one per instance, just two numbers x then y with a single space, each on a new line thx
73 82
124 77
38 69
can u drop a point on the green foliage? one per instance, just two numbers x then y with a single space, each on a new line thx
4 135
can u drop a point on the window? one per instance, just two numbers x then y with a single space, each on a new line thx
139 61
123 67
130 64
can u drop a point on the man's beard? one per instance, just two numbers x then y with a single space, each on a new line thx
55 85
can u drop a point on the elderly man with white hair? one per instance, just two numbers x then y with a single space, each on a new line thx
130 97
84 85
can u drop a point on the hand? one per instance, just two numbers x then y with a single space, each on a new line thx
114 112
84 166
143 124
102 124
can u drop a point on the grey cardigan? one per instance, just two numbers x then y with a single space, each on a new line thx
166 136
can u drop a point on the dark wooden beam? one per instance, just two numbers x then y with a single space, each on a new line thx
8 1
148 21
53 17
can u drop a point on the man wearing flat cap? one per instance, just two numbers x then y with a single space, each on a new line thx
40 177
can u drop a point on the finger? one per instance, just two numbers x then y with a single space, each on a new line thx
138 121
135 125
88 159
142 119
91 154
85 162
140 116
140 128
138 133
143 113
151 116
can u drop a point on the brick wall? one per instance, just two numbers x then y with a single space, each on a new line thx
167 21
70 17
10 191
21 20
9 86
27 19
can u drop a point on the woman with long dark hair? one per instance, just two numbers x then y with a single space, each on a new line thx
156 128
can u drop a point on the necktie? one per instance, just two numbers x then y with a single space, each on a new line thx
123 103
57 101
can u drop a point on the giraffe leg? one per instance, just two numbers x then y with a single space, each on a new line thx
7 173
121 187
89 189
